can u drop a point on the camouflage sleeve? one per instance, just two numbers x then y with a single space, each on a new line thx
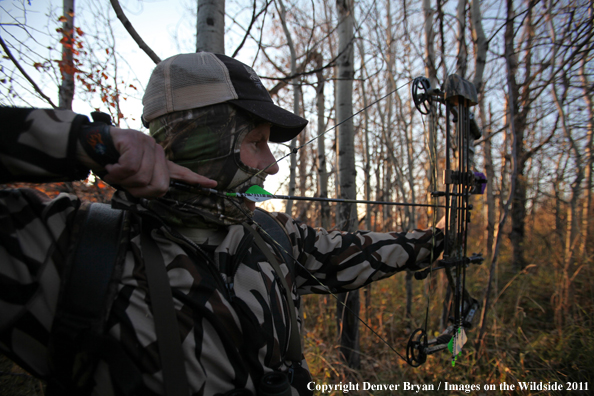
35 234
39 145
339 261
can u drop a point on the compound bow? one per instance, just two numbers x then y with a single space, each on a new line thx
458 95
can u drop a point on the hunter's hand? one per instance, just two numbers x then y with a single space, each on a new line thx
142 168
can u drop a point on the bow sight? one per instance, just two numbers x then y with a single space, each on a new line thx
459 182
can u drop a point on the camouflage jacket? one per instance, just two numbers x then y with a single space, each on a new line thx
231 310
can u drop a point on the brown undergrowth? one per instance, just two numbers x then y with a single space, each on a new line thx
524 347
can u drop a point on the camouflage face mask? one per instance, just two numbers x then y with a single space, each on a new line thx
207 141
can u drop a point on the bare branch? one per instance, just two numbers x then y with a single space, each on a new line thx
248 30
24 73
128 25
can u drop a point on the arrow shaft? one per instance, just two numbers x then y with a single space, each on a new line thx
339 200
263 197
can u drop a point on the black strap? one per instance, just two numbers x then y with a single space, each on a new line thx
95 255
166 325
96 140
82 306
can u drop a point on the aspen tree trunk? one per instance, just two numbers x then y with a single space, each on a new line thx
431 74
210 26
344 110
571 233
293 170
328 29
349 340
442 37
462 51
511 64
481 47
430 70
379 192
367 289
304 154
322 172
480 59
588 159
490 191
366 136
504 154
520 108
66 91
557 189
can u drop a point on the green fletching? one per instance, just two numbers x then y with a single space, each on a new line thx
456 343
255 194
257 190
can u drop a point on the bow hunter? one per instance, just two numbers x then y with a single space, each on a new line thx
232 283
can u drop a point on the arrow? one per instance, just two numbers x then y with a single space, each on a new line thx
258 194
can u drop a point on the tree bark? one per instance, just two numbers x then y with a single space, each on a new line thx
210 26
430 70
519 108
511 115
481 46
349 340
66 91
296 108
462 50
322 172
588 160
